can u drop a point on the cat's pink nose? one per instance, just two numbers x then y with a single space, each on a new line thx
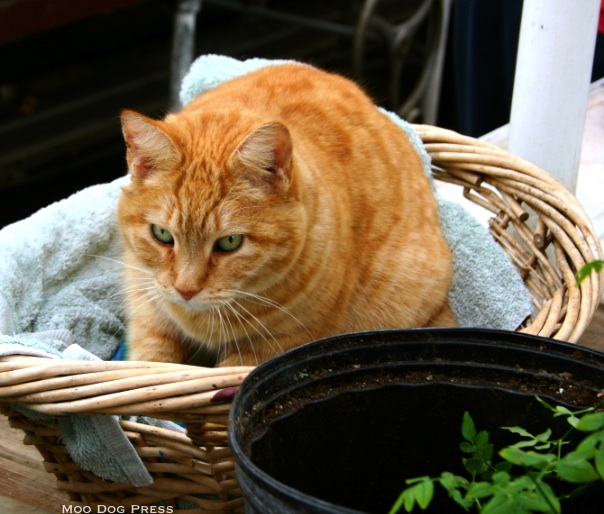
187 294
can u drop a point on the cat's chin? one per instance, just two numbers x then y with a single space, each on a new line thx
192 305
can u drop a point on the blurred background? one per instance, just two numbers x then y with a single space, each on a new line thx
69 68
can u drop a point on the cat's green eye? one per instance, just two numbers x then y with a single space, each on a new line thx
162 235
229 243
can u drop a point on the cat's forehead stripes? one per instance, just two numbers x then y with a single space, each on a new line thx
204 189
198 207
189 206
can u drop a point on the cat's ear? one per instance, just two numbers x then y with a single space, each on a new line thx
149 147
266 154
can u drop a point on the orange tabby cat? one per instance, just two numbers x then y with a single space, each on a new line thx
277 208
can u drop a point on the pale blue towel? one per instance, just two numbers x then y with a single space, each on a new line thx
59 285
58 271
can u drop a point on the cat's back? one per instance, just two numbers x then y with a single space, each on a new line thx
331 119
290 92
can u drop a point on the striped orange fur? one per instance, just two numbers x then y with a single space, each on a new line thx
277 208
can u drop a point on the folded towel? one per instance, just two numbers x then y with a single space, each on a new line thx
59 284
487 291
59 271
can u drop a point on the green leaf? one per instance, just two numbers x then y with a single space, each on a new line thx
424 492
503 466
480 490
591 422
600 461
503 504
550 497
416 480
586 270
544 436
485 453
540 441
545 404
518 430
539 497
501 478
406 499
418 492
481 439
460 500
525 444
474 466
587 448
421 492
527 459
451 482
522 495
523 482
576 471
559 410
467 447
468 429
398 504
544 446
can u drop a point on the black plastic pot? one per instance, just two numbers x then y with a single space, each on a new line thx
336 426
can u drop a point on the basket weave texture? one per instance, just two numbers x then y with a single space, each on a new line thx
540 225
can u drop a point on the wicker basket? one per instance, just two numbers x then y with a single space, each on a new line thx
536 220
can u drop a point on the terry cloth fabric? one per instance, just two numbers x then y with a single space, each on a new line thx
487 291
59 285
60 272
60 282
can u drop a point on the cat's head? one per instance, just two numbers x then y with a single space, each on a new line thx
212 210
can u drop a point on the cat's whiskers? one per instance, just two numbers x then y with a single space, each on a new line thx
224 336
224 333
256 298
123 264
233 339
115 301
222 341
155 298
123 293
146 280
241 319
210 327
135 288
262 325
103 271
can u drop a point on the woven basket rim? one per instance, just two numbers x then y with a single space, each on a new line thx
481 169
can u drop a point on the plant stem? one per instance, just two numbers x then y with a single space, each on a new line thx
541 492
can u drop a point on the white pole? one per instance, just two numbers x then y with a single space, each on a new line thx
551 85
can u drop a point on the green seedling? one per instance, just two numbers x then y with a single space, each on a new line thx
524 479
